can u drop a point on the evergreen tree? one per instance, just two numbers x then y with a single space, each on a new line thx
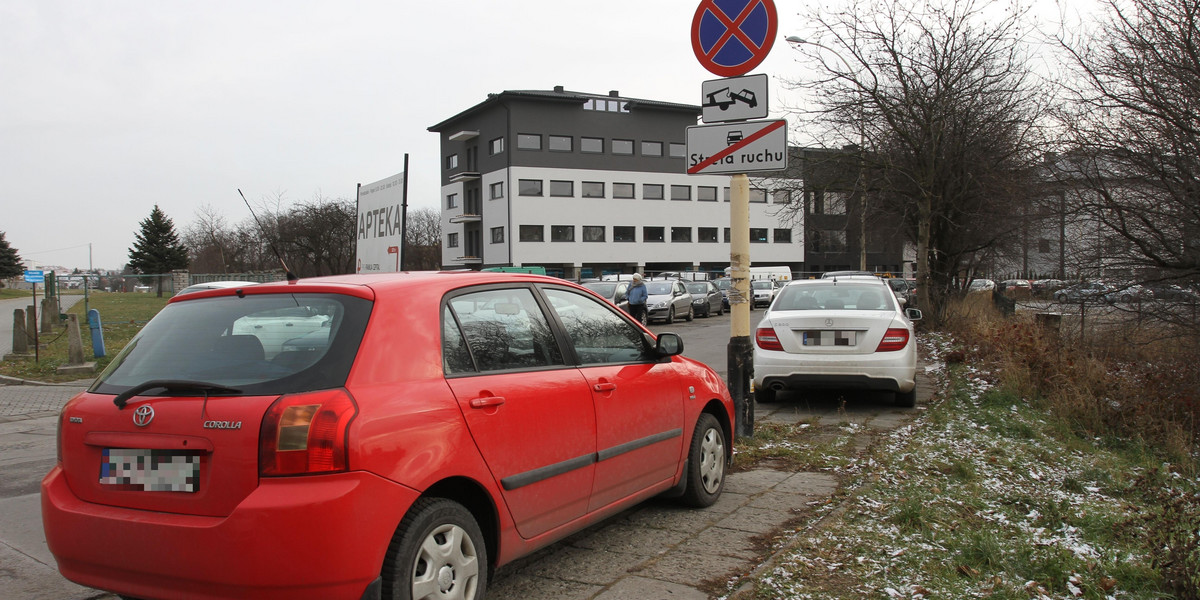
157 248
10 262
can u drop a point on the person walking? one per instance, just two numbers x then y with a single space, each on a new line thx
637 298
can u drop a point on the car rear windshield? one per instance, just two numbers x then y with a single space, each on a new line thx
833 297
259 344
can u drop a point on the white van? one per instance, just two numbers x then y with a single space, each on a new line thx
780 274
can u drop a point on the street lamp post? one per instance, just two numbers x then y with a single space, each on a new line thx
859 184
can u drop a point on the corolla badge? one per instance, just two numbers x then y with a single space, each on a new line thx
143 415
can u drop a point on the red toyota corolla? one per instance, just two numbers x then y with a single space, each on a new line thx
375 436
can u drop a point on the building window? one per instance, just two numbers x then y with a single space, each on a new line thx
496 146
605 104
593 233
681 192
727 194
758 235
623 190
678 150
529 141
781 196
783 236
706 193
452 201
529 187
681 234
652 191
593 189
622 233
562 189
758 195
562 233
561 143
1044 246
452 240
651 148
707 234
652 234
827 240
452 162
497 235
829 203
622 146
532 233
497 190
726 235
591 145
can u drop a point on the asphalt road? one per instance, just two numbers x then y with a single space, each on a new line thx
656 550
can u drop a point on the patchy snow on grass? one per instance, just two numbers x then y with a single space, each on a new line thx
979 497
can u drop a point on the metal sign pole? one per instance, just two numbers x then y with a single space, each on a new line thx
740 350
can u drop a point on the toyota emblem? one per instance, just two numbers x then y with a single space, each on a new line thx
143 415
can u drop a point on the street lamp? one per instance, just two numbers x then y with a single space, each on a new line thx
862 209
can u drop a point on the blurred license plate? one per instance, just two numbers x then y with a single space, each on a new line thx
151 470
830 338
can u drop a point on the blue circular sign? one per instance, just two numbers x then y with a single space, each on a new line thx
731 37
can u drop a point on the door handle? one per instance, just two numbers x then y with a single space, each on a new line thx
487 401
604 387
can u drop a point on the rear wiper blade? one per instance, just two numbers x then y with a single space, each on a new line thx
173 385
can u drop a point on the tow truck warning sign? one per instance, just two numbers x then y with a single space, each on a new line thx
743 147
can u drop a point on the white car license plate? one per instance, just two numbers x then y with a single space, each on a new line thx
829 338
151 470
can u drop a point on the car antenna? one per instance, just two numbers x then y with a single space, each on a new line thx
290 275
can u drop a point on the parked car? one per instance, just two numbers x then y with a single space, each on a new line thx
1017 288
613 291
706 298
836 334
981 285
1083 291
762 292
904 291
414 453
723 284
1173 292
214 285
1044 288
667 300
1126 293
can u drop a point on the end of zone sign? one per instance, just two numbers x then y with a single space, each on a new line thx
742 147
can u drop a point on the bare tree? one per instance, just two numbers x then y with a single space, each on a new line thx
945 109
209 239
1135 129
423 250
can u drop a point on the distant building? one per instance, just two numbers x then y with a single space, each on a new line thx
587 184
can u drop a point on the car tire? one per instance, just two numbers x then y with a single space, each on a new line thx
691 314
706 463
410 572
907 399
764 394
670 315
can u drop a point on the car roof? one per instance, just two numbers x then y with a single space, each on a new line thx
832 274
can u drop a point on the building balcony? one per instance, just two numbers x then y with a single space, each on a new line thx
466 218
463 136
463 176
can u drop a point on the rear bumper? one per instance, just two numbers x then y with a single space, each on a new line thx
298 537
889 371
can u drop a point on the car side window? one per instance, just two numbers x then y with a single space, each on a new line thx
599 335
499 330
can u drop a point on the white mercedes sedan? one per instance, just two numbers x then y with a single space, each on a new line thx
840 333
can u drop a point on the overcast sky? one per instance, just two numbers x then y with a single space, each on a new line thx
109 108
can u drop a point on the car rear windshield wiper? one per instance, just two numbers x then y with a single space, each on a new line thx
172 385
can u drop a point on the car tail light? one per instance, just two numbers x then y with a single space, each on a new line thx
896 338
306 433
767 340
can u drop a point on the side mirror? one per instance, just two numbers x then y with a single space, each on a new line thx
668 344
913 314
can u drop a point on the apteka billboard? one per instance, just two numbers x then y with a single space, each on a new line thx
380 226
